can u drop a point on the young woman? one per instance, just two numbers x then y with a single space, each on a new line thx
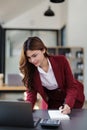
50 76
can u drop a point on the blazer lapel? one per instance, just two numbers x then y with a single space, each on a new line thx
38 85
56 71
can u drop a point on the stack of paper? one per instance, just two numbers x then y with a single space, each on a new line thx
56 114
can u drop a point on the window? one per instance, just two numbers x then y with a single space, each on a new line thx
13 44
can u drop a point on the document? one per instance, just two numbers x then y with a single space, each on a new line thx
56 114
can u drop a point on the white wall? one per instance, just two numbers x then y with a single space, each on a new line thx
77 29
34 18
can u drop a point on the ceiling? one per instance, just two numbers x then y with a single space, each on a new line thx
10 9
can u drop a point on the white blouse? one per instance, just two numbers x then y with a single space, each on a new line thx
47 78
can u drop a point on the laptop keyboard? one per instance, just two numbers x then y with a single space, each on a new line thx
36 121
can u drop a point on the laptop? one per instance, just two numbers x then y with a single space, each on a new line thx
17 114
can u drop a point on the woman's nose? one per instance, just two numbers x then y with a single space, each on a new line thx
32 60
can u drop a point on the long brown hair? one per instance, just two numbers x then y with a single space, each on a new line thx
26 68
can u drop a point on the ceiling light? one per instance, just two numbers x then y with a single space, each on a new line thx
57 1
49 12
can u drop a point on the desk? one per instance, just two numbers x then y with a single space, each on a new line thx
77 121
12 88
11 92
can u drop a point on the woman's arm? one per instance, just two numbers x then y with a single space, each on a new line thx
70 84
31 96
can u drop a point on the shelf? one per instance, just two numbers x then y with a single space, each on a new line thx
12 88
75 56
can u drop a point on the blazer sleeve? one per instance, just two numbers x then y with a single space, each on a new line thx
71 85
31 96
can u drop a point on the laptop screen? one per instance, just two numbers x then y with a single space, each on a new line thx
18 114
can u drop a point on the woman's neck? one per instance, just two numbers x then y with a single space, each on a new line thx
45 65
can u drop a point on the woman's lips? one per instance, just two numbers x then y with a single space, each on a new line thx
35 63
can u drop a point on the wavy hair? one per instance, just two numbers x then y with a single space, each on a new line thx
27 68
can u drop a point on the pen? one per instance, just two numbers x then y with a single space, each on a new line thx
61 108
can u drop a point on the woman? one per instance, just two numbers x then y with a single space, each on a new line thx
50 76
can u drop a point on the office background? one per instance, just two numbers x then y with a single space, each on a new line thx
29 15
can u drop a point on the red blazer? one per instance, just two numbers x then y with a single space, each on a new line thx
73 89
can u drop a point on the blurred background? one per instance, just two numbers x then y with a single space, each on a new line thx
62 26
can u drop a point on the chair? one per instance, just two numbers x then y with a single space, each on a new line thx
14 80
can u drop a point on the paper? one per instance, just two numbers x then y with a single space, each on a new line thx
56 114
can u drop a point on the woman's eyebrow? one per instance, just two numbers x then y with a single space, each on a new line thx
32 55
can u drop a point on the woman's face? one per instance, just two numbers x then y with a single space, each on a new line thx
36 57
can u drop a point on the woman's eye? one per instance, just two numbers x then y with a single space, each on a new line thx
35 55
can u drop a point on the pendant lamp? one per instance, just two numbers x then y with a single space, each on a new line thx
49 12
57 1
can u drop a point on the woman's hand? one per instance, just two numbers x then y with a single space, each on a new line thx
65 109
